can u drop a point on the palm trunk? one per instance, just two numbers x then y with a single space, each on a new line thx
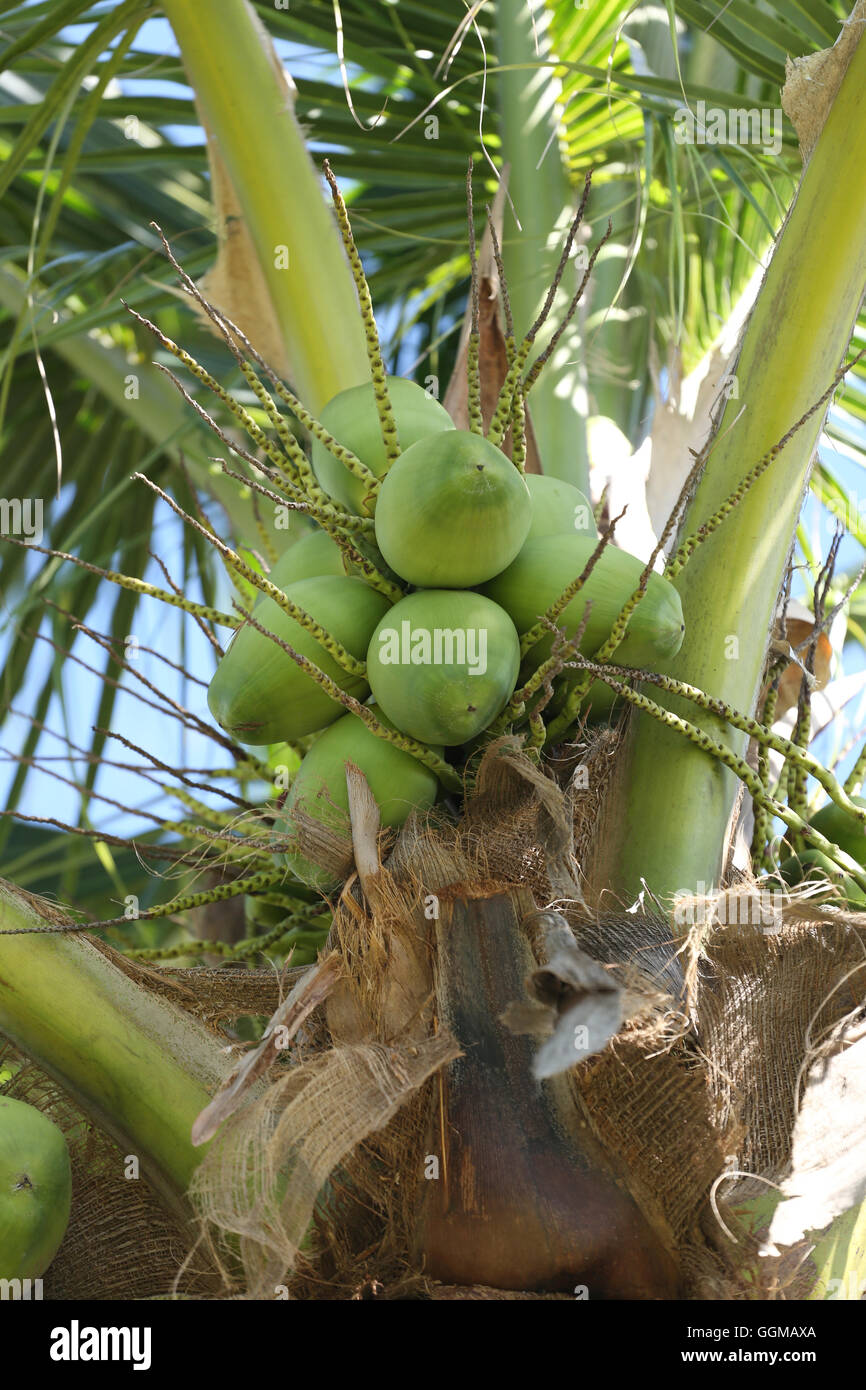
526 1199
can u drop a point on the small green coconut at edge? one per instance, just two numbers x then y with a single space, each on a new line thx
399 782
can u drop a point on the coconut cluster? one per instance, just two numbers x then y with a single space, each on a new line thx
460 557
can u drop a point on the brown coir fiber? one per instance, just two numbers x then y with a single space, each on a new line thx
701 1079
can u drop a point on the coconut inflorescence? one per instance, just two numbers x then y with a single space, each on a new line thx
843 830
422 593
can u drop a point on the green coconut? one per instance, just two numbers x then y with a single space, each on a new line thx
35 1190
399 782
313 555
316 554
812 864
558 509
442 664
452 512
352 418
544 569
258 694
841 829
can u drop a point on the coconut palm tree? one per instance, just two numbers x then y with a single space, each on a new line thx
399 99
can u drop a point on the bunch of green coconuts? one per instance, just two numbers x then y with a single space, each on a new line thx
473 552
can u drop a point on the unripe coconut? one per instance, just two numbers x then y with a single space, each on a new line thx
558 509
316 553
452 512
352 418
307 554
309 557
841 829
35 1190
399 782
544 569
260 695
442 664
813 866
295 526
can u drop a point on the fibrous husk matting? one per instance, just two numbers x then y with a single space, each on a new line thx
318 1177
